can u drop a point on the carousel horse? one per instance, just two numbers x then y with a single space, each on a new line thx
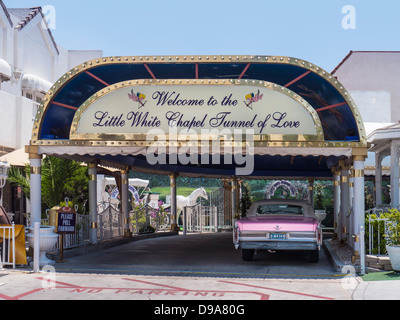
190 200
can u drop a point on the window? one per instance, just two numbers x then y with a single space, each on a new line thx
34 96
270 209
29 95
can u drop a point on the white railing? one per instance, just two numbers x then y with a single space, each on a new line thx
109 223
199 218
377 230
43 222
209 218
7 245
82 232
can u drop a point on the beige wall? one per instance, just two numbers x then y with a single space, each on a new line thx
373 80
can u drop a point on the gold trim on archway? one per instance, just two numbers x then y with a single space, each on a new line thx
148 60
187 82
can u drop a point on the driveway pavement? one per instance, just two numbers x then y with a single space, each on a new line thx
196 254
195 267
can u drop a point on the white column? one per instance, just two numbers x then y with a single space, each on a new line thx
359 209
174 218
378 179
351 188
336 201
125 201
344 202
92 171
350 221
394 175
36 188
36 204
36 247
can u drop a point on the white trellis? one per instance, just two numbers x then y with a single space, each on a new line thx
270 191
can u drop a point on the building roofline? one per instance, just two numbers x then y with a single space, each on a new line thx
32 14
25 20
361 51
6 12
342 62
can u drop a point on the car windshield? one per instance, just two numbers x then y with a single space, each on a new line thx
279 209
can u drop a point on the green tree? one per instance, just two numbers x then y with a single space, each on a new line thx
246 199
61 178
319 192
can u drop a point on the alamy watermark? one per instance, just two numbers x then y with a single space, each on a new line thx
49 21
349 20
49 278
349 282
188 147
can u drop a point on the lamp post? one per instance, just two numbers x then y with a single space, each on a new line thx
4 166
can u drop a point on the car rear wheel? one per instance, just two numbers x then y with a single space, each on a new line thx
247 254
312 255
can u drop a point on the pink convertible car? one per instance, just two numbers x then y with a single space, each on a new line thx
279 225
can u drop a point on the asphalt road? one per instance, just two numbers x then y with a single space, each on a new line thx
196 255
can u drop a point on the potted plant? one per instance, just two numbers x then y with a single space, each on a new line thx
393 238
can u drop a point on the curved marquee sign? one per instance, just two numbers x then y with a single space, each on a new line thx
130 109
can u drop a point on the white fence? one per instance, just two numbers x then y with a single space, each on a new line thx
81 235
200 218
109 223
7 245
377 231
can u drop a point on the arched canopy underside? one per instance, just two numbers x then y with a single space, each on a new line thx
312 120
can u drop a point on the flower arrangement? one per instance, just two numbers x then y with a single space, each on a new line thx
148 219
393 228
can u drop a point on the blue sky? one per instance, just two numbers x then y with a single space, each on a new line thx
308 29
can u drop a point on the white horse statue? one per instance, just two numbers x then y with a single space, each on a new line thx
190 200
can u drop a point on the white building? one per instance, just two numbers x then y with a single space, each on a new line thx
30 62
372 80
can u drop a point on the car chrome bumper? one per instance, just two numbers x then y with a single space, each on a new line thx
279 245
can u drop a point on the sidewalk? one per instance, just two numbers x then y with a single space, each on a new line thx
24 285
371 286
377 290
115 272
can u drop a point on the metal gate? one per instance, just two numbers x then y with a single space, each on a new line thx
213 218
221 200
109 223
199 218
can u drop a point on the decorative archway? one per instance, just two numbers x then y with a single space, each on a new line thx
114 111
132 190
270 191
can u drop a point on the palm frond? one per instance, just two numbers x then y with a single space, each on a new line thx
19 177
